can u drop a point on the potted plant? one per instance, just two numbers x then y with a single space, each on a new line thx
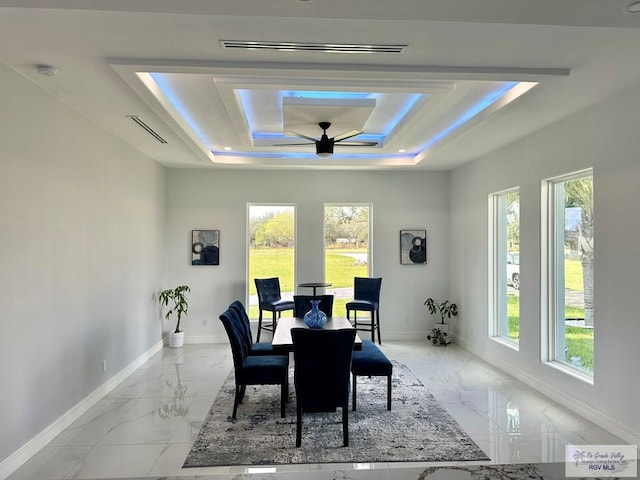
180 306
439 334
438 337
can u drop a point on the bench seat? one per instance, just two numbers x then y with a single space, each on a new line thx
371 362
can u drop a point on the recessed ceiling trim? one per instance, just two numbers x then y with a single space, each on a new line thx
312 47
320 73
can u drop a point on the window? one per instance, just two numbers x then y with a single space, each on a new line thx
346 250
505 262
570 262
271 249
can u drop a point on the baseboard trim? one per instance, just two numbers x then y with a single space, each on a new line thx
400 336
572 403
33 446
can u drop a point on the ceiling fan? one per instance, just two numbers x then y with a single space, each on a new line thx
324 145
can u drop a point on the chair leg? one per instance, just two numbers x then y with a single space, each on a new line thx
378 327
286 397
353 390
274 323
373 326
236 400
345 424
259 326
298 426
389 392
284 391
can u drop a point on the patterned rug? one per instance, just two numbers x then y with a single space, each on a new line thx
417 428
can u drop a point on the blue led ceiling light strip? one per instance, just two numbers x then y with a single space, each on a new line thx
486 102
401 114
312 156
243 95
326 95
173 99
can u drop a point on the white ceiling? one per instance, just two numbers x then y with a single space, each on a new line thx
475 75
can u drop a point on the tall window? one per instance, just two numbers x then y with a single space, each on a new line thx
570 256
271 249
506 265
347 250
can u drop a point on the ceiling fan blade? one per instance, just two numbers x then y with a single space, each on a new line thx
345 135
358 144
292 144
300 135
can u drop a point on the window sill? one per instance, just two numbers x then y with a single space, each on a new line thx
507 343
572 372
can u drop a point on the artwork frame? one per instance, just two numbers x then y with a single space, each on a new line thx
205 247
413 247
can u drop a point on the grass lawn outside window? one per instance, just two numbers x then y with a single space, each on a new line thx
579 339
278 262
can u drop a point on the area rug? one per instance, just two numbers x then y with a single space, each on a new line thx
417 428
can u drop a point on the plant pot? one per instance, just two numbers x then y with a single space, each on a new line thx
444 327
176 340
439 335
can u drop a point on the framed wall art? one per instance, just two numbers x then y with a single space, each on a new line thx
205 247
413 247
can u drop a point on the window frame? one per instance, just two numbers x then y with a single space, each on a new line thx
248 279
369 206
553 284
498 295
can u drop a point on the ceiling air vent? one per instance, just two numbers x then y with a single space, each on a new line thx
313 47
138 121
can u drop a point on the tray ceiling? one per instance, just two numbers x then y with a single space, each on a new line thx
434 84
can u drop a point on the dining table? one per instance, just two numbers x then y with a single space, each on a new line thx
314 285
282 336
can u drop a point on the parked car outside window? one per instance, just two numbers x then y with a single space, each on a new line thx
513 269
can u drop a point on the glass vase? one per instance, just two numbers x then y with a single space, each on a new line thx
315 318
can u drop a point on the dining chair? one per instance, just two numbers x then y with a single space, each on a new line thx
270 299
302 304
254 369
366 298
321 378
258 348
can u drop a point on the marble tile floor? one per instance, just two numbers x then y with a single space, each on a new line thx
144 428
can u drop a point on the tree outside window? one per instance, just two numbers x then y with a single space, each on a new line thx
571 279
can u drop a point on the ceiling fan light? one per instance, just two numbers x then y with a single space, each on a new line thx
324 154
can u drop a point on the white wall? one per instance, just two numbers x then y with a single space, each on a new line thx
81 254
205 199
606 138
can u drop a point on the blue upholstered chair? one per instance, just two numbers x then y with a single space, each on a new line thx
366 298
321 379
270 299
302 304
371 362
254 369
262 348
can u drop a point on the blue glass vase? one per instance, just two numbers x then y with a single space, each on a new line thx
315 318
